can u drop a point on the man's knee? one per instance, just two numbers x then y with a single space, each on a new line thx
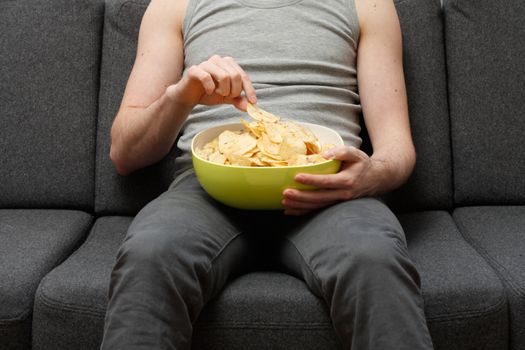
154 247
376 254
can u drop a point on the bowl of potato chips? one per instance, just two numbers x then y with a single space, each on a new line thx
248 165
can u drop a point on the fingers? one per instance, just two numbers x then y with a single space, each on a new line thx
347 184
354 163
308 199
331 181
247 86
223 77
220 76
196 73
298 202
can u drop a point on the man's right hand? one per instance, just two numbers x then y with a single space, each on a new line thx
215 81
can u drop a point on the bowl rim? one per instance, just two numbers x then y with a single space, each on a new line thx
225 126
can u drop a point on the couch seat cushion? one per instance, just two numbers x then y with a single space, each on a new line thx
32 242
71 300
465 304
269 310
266 308
498 234
464 299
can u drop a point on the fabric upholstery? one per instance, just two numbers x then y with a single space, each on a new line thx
72 299
430 186
485 49
115 193
269 310
49 70
498 234
465 302
462 296
32 243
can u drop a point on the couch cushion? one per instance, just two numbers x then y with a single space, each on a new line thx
115 193
49 70
268 310
485 49
72 299
32 242
498 234
267 307
430 186
465 302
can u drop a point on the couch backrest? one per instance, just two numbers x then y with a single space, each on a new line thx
430 186
117 194
49 69
486 75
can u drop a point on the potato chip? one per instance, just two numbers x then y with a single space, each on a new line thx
275 131
239 160
267 145
217 157
235 143
256 161
298 159
291 146
261 115
266 141
252 127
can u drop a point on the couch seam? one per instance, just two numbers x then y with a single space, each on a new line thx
60 306
9 322
490 310
97 100
443 22
503 274
51 302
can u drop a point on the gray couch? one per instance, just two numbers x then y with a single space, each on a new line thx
64 210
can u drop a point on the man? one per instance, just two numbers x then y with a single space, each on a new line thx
303 59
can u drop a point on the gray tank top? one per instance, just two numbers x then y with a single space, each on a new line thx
300 55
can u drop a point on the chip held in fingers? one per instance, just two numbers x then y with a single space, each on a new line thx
267 141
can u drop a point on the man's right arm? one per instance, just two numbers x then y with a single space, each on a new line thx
157 100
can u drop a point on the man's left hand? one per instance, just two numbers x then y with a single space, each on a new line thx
359 176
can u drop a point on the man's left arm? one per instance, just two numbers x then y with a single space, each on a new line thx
384 104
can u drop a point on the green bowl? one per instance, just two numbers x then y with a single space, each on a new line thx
256 188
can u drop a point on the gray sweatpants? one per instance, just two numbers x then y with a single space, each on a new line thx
183 247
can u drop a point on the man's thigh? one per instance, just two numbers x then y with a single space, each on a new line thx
188 233
348 234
